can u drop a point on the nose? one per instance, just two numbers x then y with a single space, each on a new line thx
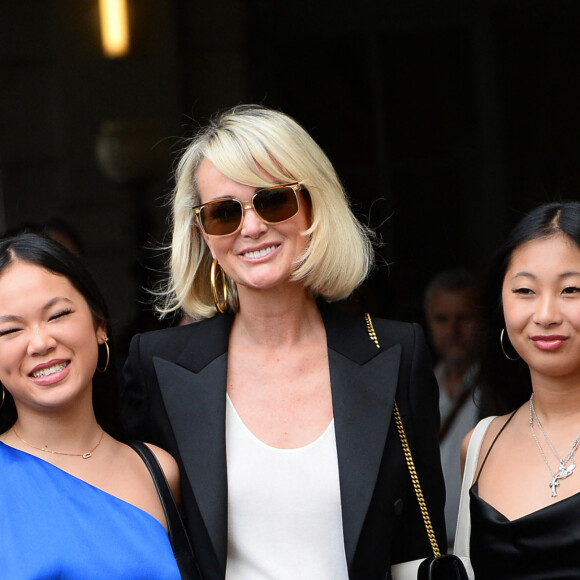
40 342
454 327
252 225
548 311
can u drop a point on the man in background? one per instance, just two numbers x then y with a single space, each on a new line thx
453 320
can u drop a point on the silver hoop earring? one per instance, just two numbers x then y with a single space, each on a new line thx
502 348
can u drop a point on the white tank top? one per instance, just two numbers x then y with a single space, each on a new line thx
284 511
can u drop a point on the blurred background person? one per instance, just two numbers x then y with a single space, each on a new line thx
64 233
452 309
56 228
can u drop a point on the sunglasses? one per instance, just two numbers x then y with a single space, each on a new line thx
272 205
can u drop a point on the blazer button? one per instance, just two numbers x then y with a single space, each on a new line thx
398 507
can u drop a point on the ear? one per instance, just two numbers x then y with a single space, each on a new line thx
206 239
102 334
199 232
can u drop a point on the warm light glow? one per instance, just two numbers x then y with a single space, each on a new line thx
114 27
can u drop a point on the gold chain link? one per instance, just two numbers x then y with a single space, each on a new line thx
408 456
371 330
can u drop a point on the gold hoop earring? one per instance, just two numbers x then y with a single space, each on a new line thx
106 343
3 396
213 281
502 348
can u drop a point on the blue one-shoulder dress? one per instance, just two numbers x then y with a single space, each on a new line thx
54 525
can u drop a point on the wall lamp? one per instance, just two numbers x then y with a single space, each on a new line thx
114 16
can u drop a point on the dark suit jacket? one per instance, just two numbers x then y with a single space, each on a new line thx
174 396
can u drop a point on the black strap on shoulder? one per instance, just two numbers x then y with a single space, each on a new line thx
492 444
175 529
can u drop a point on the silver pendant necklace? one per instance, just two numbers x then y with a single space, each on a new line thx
564 470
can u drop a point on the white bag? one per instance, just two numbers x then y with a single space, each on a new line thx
463 530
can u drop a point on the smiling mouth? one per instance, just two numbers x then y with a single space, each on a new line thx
49 370
259 253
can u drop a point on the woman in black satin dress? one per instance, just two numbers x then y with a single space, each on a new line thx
525 499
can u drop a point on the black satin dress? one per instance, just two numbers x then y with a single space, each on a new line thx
543 545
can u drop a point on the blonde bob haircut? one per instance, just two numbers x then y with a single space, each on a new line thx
245 144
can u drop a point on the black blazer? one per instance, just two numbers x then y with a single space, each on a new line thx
174 396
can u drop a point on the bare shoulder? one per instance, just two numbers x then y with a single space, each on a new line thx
170 468
464 446
493 429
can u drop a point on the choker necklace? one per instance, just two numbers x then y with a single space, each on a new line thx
86 455
564 470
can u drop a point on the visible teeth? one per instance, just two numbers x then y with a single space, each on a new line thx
49 370
259 253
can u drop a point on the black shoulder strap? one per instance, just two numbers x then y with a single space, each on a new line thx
175 528
492 444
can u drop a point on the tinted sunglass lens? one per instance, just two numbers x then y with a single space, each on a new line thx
222 217
276 205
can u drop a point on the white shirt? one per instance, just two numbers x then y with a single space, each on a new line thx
284 510
464 421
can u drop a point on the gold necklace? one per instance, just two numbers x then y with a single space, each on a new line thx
86 455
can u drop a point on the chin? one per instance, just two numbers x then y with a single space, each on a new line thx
263 285
265 281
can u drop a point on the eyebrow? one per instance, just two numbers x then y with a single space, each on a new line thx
48 305
566 274
221 198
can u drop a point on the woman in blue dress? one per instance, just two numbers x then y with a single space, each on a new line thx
75 502
525 493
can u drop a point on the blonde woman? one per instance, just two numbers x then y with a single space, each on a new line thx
277 405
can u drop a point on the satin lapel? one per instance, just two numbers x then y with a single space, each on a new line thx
362 397
195 404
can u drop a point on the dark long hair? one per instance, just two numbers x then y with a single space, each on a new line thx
506 384
40 250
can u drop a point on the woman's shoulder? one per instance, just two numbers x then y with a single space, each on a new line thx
137 462
360 338
409 335
485 432
170 468
204 329
387 329
397 328
358 335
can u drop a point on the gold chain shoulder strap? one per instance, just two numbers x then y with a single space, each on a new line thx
408 456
